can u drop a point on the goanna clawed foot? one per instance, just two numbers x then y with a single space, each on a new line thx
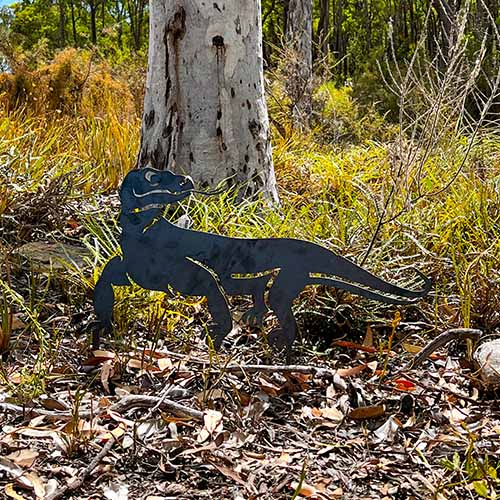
254 317
96 329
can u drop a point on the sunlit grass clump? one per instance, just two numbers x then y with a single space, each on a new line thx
69 132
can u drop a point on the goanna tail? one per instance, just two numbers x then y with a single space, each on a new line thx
352 278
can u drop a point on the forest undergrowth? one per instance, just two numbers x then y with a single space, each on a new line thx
383 194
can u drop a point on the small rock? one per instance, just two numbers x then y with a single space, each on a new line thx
487 358
45 257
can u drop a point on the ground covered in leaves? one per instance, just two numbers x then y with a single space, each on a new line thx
158 417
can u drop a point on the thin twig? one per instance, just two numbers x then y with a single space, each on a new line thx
440 341
138 401
313 370
81 479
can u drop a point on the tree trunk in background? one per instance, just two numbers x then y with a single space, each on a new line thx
204 111
73 24
93 21
136 15
324 27
298 33
62 23
447 13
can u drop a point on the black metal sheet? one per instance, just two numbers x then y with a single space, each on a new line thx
158 254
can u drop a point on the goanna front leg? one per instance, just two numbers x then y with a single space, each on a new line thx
192 279
104 297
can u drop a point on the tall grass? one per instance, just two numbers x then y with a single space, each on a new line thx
333 192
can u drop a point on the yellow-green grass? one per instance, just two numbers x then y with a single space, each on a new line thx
439 214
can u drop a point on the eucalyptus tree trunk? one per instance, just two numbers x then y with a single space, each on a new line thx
298 32
205 113
324 27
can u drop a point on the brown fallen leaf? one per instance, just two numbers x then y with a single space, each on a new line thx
4 340
333 414
28 480
53 404
140 364
308 490
17 322
107 371
368 341
23 458
231 474
367 412
99 357
350 372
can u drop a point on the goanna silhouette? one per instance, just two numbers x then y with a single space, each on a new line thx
158 254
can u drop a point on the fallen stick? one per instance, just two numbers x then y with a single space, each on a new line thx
61 415
138 401
126 403
313 370
440 341
82 478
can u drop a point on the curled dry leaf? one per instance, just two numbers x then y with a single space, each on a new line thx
28 480
23 458
107 371
350 372
213 425
37 485
387 431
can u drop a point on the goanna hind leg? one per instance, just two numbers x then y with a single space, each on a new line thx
104 297
285 289
255 287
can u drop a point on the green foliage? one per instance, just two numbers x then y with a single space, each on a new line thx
477 472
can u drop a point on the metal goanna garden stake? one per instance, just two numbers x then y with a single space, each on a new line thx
158 254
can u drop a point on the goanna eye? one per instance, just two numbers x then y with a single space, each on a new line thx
152 178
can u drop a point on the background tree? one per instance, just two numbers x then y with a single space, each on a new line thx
204 111
298 31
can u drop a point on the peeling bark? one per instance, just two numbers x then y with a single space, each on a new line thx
204 112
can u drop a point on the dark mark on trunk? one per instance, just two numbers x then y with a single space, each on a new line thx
253 126
149 119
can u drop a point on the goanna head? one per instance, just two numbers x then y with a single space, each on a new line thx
149 188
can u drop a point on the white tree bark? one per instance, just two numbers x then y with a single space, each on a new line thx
205 113
298 32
